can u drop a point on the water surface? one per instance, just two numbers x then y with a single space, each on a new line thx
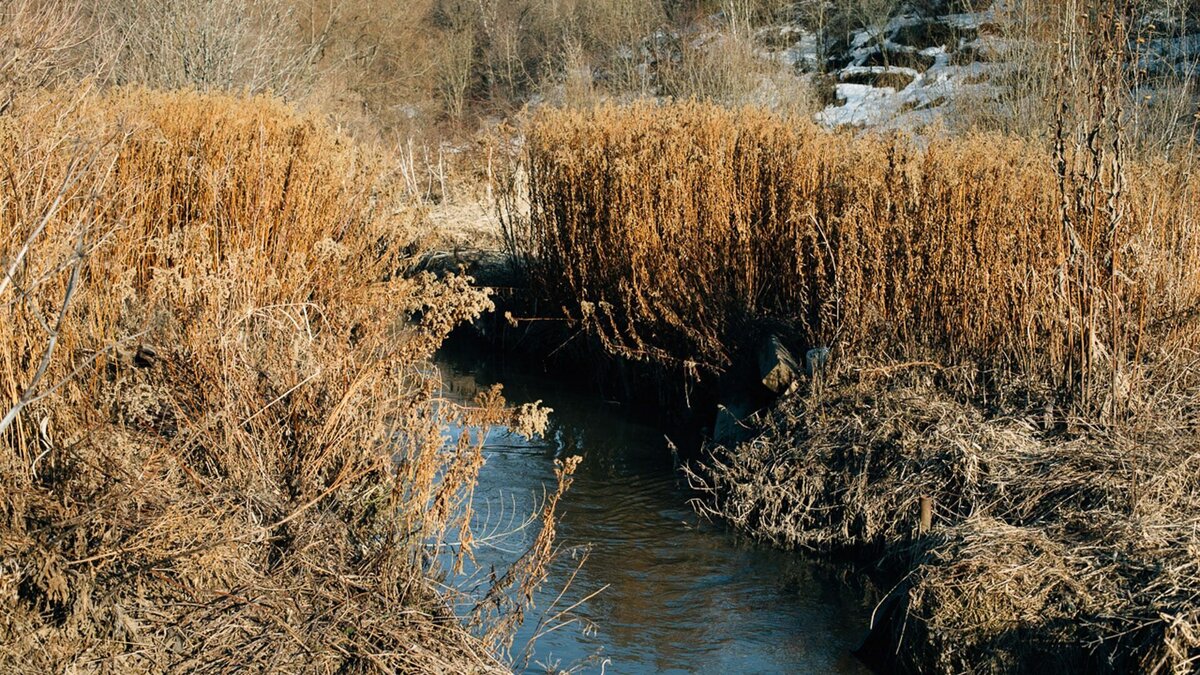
673 593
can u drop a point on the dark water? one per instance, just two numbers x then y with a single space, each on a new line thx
673 593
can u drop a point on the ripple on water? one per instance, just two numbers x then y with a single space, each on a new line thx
681 595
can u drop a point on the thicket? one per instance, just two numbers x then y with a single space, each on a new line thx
218 445
402 67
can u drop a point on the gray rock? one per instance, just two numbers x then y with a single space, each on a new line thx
777 366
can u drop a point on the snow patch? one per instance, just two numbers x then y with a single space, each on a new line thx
864 105
921 102
850 71
970 20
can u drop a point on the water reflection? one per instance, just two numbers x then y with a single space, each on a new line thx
680 595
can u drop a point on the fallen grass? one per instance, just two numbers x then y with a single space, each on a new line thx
221 452
1052 545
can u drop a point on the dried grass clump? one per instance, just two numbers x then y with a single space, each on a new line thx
1009 599
217 448
852 445
1104 570
1076 548
677 231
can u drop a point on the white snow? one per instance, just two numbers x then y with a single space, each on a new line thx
803 52
970 20
863 105
877 70
921 102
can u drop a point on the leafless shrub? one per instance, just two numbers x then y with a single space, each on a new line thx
38 44
226 45
1158 95
456 70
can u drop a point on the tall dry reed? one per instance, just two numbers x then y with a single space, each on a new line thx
677 232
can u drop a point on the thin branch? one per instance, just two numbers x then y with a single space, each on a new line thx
48 354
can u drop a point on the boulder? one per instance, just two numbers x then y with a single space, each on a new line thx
777 366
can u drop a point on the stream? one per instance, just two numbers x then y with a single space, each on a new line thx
659 590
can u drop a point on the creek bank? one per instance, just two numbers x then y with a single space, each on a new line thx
526 331
226 457
1049 547
698 408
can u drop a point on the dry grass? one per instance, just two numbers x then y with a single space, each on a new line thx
676 232
222 451
1014 334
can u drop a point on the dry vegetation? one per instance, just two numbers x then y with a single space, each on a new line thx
218 449
1051 546
677 232
220 441
413 68
1014 330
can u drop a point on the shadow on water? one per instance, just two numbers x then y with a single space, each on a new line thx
680 594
